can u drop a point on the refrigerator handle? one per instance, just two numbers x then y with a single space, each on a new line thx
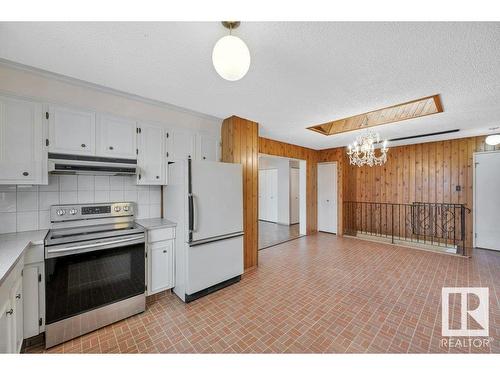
191 215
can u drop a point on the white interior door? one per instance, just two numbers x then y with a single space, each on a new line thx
487 200
294 195
262 194
272 194
218 199
327 197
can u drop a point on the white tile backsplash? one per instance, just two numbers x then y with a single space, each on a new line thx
116 196
27 207
68 197
8 201
116 183
27 221
85 196
68 183
143 197
27 201
101 196
47 199
101 183
7 222
130 196
43 219
85 182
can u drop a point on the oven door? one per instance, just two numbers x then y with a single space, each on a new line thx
84 276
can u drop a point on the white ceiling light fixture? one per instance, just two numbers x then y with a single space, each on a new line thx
493 140
231 57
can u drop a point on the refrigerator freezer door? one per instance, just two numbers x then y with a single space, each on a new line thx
213 263
217 191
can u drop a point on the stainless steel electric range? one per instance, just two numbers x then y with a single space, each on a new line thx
94 267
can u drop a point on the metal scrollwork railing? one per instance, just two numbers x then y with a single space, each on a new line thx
435 224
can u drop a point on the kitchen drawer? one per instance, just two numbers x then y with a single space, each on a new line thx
161 234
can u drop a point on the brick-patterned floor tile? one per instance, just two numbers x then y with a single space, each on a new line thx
316 294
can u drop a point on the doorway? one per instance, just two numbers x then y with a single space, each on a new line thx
327 197
487 200
279 200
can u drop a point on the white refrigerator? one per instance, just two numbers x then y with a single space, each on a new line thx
205 199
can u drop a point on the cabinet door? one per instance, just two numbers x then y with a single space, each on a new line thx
116 137
151 157
31 300
208 148
23 154
182 145
5 326
161 266
17 322
71 131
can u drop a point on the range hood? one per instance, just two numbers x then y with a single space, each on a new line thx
90 165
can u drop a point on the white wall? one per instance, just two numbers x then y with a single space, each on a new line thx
283 167
26 207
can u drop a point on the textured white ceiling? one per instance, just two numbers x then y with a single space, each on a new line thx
301 74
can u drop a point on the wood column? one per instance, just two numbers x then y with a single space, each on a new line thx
240 145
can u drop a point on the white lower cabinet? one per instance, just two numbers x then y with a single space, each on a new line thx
160 260
5 326
34 299
11 311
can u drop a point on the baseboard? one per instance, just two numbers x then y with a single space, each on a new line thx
211 289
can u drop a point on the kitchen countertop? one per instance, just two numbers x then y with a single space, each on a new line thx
155 223
12 246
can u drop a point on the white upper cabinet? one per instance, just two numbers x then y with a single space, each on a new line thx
116 137
207 147
181 144
151 157
23 154
71 131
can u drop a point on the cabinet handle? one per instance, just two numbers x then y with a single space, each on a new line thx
25 174
204 158
10 312
164 251
18 296
111 147
84 145
157 177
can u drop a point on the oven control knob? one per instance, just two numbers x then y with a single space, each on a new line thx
125 208
117 208
60 212
73 211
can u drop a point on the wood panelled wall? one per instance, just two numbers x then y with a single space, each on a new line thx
240 145
272 147
425 172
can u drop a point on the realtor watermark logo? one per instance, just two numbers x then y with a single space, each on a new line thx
474 317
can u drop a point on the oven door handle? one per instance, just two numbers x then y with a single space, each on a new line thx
95 244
